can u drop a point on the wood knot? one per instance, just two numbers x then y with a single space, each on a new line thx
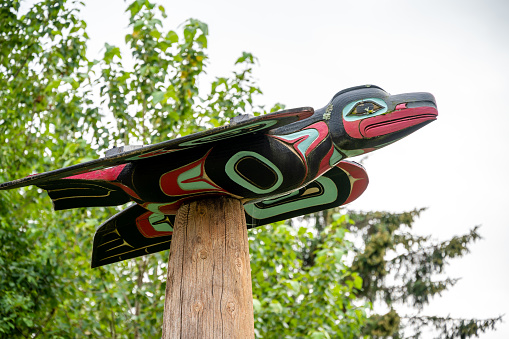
232 244
238 264
197 307
203 254
230 306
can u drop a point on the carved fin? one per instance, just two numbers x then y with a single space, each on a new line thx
340 185
131 233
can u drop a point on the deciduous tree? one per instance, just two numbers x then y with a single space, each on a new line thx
58 108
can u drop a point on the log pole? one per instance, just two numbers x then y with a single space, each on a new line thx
208 291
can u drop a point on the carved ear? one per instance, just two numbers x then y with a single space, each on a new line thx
340 185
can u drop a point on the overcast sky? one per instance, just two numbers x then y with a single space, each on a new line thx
457 50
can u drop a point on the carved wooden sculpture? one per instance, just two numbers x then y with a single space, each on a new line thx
280 165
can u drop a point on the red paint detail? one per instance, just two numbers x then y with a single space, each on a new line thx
367 150
325 163
297 142
300 113
153 154
108 174
169 185
294 142
358 179
396 121
145 227
323 131
352 128
169 209
306 114
127 190
172 208
400 106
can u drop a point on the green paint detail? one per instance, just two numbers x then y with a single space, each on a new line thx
329 195
154 207
230 170
155 220
280 198
388 143
195 185
311 134
230 132
335 158
352 153
348 109
356 152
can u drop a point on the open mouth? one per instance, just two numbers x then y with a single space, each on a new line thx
397 121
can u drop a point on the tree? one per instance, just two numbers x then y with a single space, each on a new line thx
398 267
50 118
295 300
41 111
308 279
385 264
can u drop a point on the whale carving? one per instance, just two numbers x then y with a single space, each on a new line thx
280 165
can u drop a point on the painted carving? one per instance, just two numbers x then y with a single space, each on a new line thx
280 165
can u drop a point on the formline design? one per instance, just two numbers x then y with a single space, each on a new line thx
279 165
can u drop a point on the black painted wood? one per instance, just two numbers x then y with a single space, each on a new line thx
279 165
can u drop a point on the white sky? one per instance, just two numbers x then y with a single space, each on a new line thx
457 50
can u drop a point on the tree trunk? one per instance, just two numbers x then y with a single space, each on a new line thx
208 291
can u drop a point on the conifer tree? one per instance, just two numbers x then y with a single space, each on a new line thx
309 280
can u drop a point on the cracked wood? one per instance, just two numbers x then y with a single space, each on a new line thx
208 291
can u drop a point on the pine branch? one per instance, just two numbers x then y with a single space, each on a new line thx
417 293
425 261
449 328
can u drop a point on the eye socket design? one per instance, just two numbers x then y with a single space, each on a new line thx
364 108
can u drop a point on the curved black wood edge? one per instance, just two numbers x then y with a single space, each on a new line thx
281 118
133 232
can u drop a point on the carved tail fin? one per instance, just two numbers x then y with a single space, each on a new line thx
91 189
131 233
71 193
338 186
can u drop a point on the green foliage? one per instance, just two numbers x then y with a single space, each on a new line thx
308 280
49 119
26 280
160 93
450 328
43 100
413 259
398 267
295 301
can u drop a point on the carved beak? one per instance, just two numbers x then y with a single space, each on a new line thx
409 110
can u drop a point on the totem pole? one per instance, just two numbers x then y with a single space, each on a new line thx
254 171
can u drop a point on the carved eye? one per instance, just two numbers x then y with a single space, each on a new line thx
365 108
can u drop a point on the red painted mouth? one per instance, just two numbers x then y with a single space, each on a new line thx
397 121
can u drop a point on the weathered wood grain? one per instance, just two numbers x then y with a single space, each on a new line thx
208 291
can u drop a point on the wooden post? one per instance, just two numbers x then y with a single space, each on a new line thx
208 291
